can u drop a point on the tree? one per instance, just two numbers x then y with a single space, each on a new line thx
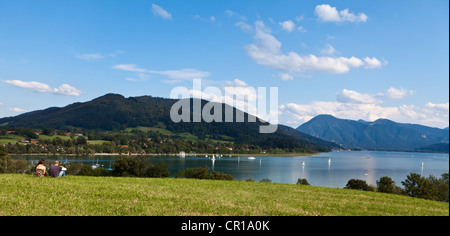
81 140
440 186
5 159
420 187
302 182
129 166
160 170
197 173
47 131
358 184
385 185
8 165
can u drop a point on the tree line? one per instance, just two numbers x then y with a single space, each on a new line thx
415 185
88 142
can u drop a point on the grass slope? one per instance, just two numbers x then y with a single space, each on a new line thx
97 196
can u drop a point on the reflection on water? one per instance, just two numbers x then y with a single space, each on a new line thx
332 169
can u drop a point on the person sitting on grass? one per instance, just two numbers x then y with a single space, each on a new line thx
57 171
40 169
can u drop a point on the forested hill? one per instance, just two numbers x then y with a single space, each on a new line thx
115 112
380 134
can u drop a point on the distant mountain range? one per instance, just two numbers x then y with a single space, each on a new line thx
380 134
115 112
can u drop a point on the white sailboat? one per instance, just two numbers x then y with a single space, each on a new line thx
95 166
329 161
251 158
213 157
303 164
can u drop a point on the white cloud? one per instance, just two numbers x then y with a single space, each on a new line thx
211 19
329 50
129 67
439 107
373 63
159 11
394 93
350 96
327 13
438 110
140 77
244 26
236 83
175 75
353 105
231 13
288 25
1 104
16 109
285 77
90 57
64 89
97 56
266 50
35 86
301 29
182 74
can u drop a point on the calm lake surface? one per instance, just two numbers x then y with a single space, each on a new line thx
343 166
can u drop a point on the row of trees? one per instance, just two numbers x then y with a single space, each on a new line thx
415 185
138 141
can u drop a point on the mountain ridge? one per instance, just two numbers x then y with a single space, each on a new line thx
115 112
379 134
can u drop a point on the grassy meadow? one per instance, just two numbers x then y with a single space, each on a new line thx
26 195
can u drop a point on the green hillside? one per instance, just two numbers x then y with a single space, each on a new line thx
114 112
97 196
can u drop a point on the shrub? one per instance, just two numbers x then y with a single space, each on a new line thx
302 182
8 165
202 173
160 170
129 166
358 184
73 168
86 171
220 176
100 172
197 173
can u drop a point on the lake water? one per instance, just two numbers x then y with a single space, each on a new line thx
343 166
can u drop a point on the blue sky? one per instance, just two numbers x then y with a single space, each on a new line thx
351 59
